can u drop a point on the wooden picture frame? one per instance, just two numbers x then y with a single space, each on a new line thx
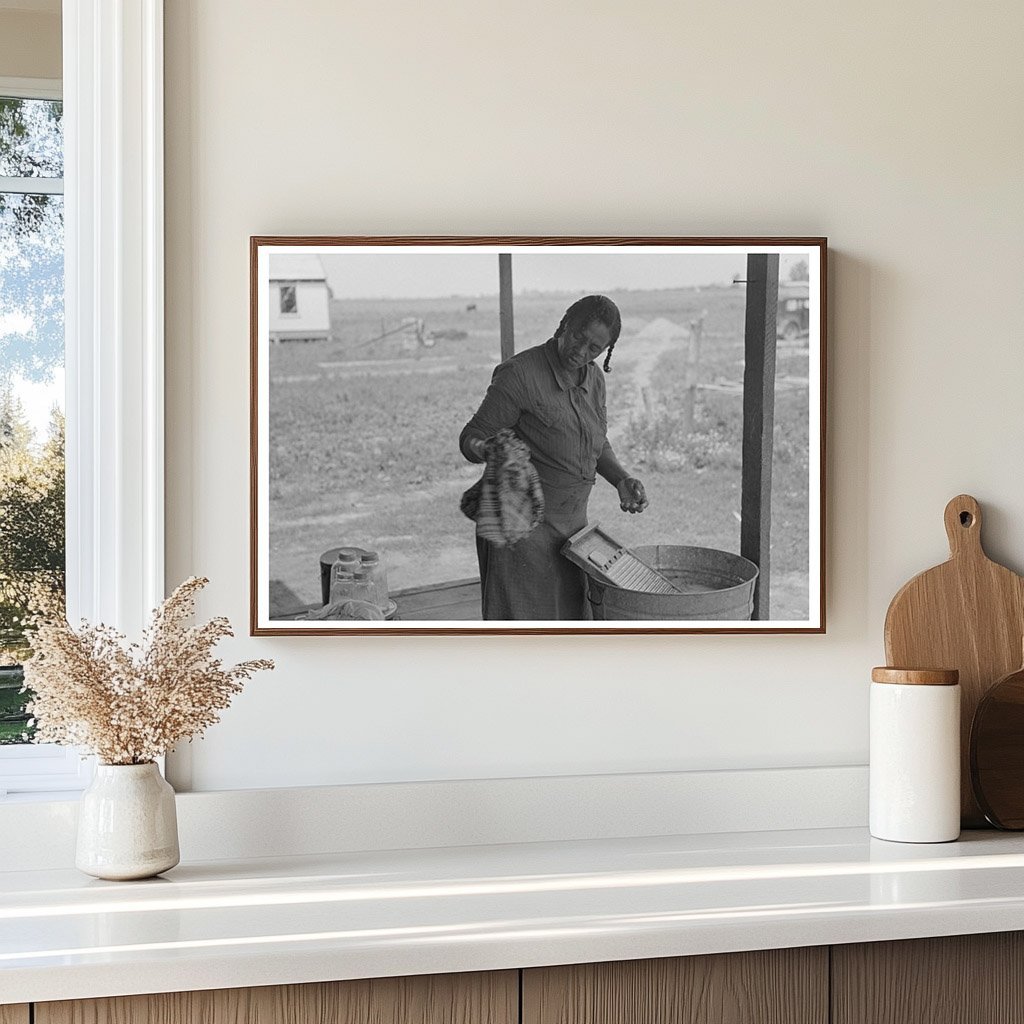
358 393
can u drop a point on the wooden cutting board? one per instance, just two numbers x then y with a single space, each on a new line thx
967 614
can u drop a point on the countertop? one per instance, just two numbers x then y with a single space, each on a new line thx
224 924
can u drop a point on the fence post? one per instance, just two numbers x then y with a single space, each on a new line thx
690 386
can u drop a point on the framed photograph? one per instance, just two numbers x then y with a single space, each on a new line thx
537 435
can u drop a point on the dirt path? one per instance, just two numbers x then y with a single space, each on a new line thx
642 352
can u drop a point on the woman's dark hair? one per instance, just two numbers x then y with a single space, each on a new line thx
583 312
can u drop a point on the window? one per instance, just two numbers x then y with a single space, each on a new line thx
289 303
31 382
32 488
113 334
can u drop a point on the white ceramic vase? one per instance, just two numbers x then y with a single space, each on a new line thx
127 825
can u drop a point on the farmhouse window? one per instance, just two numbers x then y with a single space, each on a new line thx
289 300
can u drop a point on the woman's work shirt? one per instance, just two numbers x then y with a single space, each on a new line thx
564 423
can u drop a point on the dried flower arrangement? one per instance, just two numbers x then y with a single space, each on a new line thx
130 703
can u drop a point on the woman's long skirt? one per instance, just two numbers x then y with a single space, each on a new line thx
532 579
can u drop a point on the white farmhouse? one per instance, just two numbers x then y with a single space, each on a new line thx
300 298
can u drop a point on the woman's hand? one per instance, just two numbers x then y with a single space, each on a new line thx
632 496
478 448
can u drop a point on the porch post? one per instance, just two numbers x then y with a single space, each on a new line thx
508 344
759 421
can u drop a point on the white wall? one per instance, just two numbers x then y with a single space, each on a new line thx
894 129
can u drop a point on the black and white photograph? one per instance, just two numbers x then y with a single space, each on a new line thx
537 435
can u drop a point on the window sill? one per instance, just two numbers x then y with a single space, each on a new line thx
41 797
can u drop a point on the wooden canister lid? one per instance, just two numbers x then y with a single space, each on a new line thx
916 676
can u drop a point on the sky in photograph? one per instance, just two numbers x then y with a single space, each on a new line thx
434 275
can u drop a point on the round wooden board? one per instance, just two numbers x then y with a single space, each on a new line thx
997 752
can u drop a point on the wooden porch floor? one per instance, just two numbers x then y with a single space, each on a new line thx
458 600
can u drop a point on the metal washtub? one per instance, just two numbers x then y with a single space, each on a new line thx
713 584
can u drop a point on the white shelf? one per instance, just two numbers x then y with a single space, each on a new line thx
223 924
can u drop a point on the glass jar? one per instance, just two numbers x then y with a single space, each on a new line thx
341 583
371 564
362 587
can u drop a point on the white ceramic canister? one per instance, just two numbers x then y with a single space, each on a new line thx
915 755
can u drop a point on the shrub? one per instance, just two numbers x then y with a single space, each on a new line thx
656 436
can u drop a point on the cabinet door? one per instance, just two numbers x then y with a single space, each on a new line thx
777 986
962 979
491 998
15 1013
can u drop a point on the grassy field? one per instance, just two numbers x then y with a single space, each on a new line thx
365 436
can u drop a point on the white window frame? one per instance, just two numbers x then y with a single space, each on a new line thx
114 325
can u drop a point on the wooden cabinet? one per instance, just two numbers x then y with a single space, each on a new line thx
963 979
776 986
481 998
967 979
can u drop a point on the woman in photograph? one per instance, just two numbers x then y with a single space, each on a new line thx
553 397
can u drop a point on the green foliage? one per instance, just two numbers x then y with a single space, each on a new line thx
31 548
14 719
31 137
31 524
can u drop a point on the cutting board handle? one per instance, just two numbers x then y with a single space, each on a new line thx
963 527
